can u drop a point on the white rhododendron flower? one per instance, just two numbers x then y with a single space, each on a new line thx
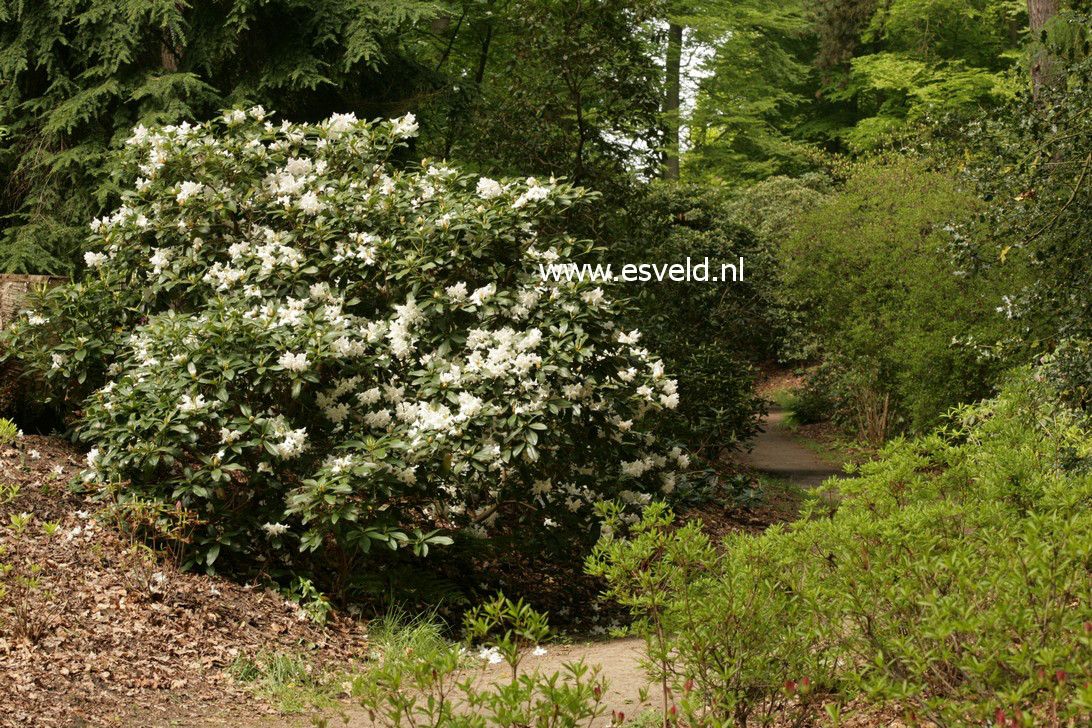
406 126
340 123
491 655
294 443
190 403
294 362
187 190
94 260
457 292
489 188
275 529
235 117
483 294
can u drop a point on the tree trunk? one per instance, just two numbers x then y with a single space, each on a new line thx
671 99
1042 65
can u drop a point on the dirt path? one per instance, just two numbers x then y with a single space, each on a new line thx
779 454
618 660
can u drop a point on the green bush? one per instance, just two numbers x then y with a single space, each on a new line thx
77 78
952 580
770 208
1032 161
707 333
725 634
819 398
873 272
318 352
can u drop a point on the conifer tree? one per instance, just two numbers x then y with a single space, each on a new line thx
77 75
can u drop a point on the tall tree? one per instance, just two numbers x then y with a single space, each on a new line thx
1040 12
549 87
755 81
889 64
673 88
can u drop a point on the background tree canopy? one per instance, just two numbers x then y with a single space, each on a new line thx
587 91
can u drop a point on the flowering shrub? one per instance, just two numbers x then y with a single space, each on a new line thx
315 349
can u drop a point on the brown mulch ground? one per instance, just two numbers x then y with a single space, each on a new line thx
773 378
719 521
120 643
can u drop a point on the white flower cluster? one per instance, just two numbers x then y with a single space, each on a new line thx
439 389
294 362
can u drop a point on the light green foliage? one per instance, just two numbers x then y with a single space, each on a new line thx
890 64
9 432
26 608
725 633
317 352
312 603
770 208
511 627
293 682
428 688
755 88
778 79
951 578
902 323
399 636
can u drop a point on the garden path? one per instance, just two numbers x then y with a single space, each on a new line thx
619 661
777 452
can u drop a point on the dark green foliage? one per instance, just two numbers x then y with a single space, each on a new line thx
1033 161
839 23
708 333
819 398
77 76
771 209
1069 368
547 87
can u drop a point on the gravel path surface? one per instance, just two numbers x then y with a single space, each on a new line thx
779 454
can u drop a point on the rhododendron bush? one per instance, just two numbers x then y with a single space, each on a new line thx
318 351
